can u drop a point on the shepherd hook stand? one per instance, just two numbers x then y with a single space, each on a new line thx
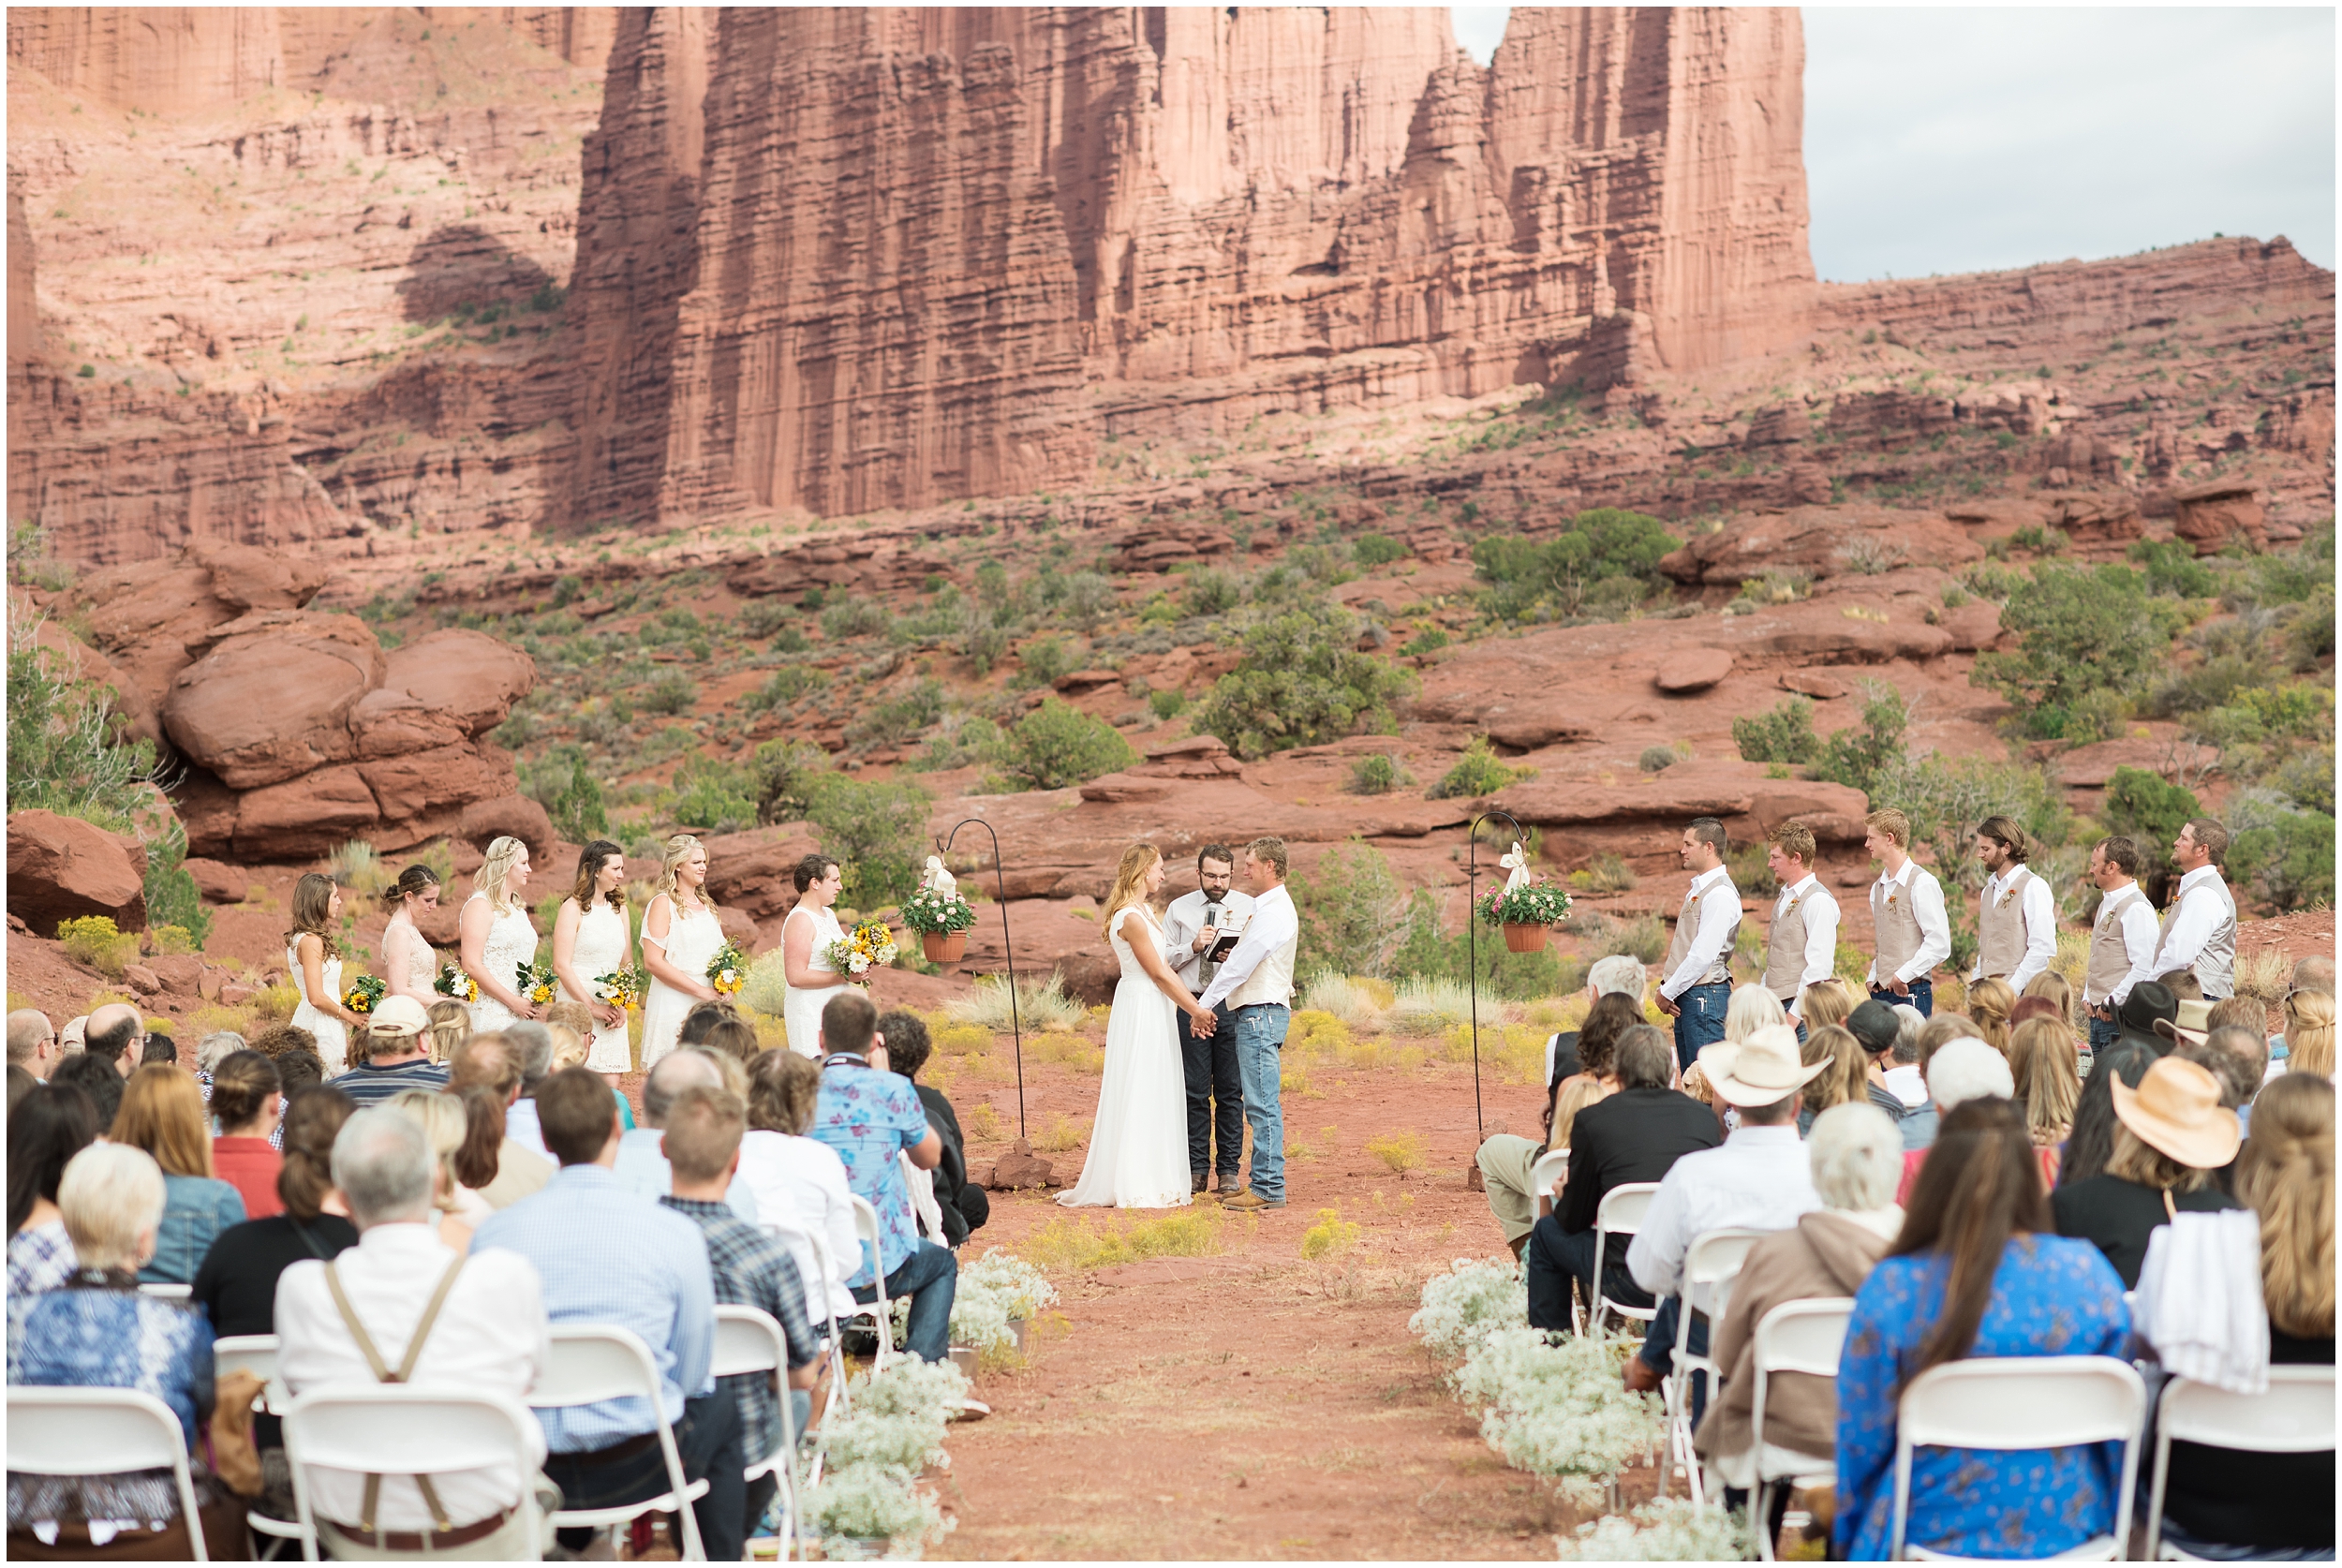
1472 945
1016 1032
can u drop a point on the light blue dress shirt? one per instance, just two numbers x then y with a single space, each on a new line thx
643 1169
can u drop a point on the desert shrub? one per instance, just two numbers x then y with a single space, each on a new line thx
712 795
784 773
785 686
1751 869
1657 759
1602 545
1946 797
1772 586
1352 908
2205 686
1302 682
1783 735
1867 555
960 740
762 617
2145 807
1057 745
1429 640
1350 1000
855 618
1209 591
1644 938
94 941
172 899
2077 632
1428 955
1045 658
69 752
1606 874
1167 702
672 693
900 718
578 812
1084 598
1862 755
1065 1245
877 830
2170 568
1401 1152
767 990
1330 1235
2307 779
1041 1003
2287 859
1377 775
1478 772
1375 549
2261 727
357 866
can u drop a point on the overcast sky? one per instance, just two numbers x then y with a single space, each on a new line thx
1953 140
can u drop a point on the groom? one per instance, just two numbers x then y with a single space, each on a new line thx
1257 982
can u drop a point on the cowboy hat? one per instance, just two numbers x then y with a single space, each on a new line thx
2176 1110
1758 1071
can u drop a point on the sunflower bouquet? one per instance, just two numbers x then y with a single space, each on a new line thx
623 987
869 946
729 970
535 982
364 992
454 982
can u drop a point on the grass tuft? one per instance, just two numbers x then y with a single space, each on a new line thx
1066 1245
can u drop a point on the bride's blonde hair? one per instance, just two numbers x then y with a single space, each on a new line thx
493 870
1136 861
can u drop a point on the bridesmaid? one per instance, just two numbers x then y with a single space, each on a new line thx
408 965
314 961
496 936
680 934
589 938
812 982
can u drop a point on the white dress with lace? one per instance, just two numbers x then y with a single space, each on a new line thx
409 968
693 937
511 942
600 949
1138 1144
801 1011
332 1037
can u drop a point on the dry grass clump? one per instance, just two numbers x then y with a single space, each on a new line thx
1401 1151
1066 1245
1063 1134
2266 976
1070 1050
983 1124
1040 1004
1354 1000
1431 1006
957 1039
1516 1052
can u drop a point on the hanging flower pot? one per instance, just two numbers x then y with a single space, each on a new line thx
1527 913
944 947
1526 935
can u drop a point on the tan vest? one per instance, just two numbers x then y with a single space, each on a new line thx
1271 980
2000 928
1897 928
2109 955
1687 927
1785 954
2215 967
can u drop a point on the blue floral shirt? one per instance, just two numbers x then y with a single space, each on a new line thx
870 1118
2051 1296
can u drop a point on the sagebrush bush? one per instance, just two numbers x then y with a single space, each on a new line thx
1040 1004
1377 775
1478 773
94 941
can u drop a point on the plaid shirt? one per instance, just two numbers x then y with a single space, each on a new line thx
752 1269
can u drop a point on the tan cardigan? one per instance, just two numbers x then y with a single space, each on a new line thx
1826 1255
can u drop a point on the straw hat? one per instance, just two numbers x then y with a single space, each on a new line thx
2176 1110
1759 1070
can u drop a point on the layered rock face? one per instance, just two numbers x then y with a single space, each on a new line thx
936 253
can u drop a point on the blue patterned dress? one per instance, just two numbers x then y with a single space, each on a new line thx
2051 1296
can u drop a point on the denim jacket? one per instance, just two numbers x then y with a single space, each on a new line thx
195 1210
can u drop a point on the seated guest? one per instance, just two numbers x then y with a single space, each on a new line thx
1990 1003
1975 1272
1965 1069
752 1269
33 1042
1752 1008
21 1083
2046 1071
571 1026
96 1078
162 1112
606 1255
535 1043
450 1026
2309 1033
1856 1155
870 1116
1876 1030
2126 1059
394 1055
965 1206
2222 1502
247 1101
2170 1134
491 1061
2182 983
160 1050
2058 990
1634 1135
1618 974
800 1183
1846 1079
1505 1160
236 1287
1761 1179
1908 1077
445 1124
47 1128
1825 1002
98 1331
2238 1055
642 1164
451 1321
733 1037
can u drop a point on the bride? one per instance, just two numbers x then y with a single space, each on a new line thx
1138 1144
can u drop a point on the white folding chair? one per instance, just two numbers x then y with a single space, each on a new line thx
102 1431
398 1430
1795 1337
1709 1264
1620 1213
257 1354
750 1341
1550 1167
2022 1402
880 1312
595 1362
2294 1417
166 1291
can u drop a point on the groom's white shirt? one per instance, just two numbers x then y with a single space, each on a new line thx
1183 922
1263 953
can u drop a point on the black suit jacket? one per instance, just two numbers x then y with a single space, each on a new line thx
964 1207
1634 1135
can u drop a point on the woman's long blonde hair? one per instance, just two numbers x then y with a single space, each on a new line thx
502 852
1136 861
1847 1081
1990 1003
2057 989
678 849
1825 1002
2309 1032
2286 1175
2047 1072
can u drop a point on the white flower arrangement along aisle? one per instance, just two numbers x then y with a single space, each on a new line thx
1559 1409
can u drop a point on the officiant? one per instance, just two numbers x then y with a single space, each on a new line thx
1198 926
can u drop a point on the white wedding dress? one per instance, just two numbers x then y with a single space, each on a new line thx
1138 1144
511 942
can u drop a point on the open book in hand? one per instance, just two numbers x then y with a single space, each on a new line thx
1230 927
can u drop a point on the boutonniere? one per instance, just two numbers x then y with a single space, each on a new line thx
2002 902
1792 905
1891 898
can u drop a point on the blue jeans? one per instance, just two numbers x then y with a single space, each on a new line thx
2103 1032
930 1277
1923 997
1658 1347
1701 1020
1260 1037
1554 1259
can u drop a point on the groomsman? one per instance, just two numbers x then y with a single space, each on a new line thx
2199 930
1698 987
1804 944
1192 925
2122 941
2016 921
1912 933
